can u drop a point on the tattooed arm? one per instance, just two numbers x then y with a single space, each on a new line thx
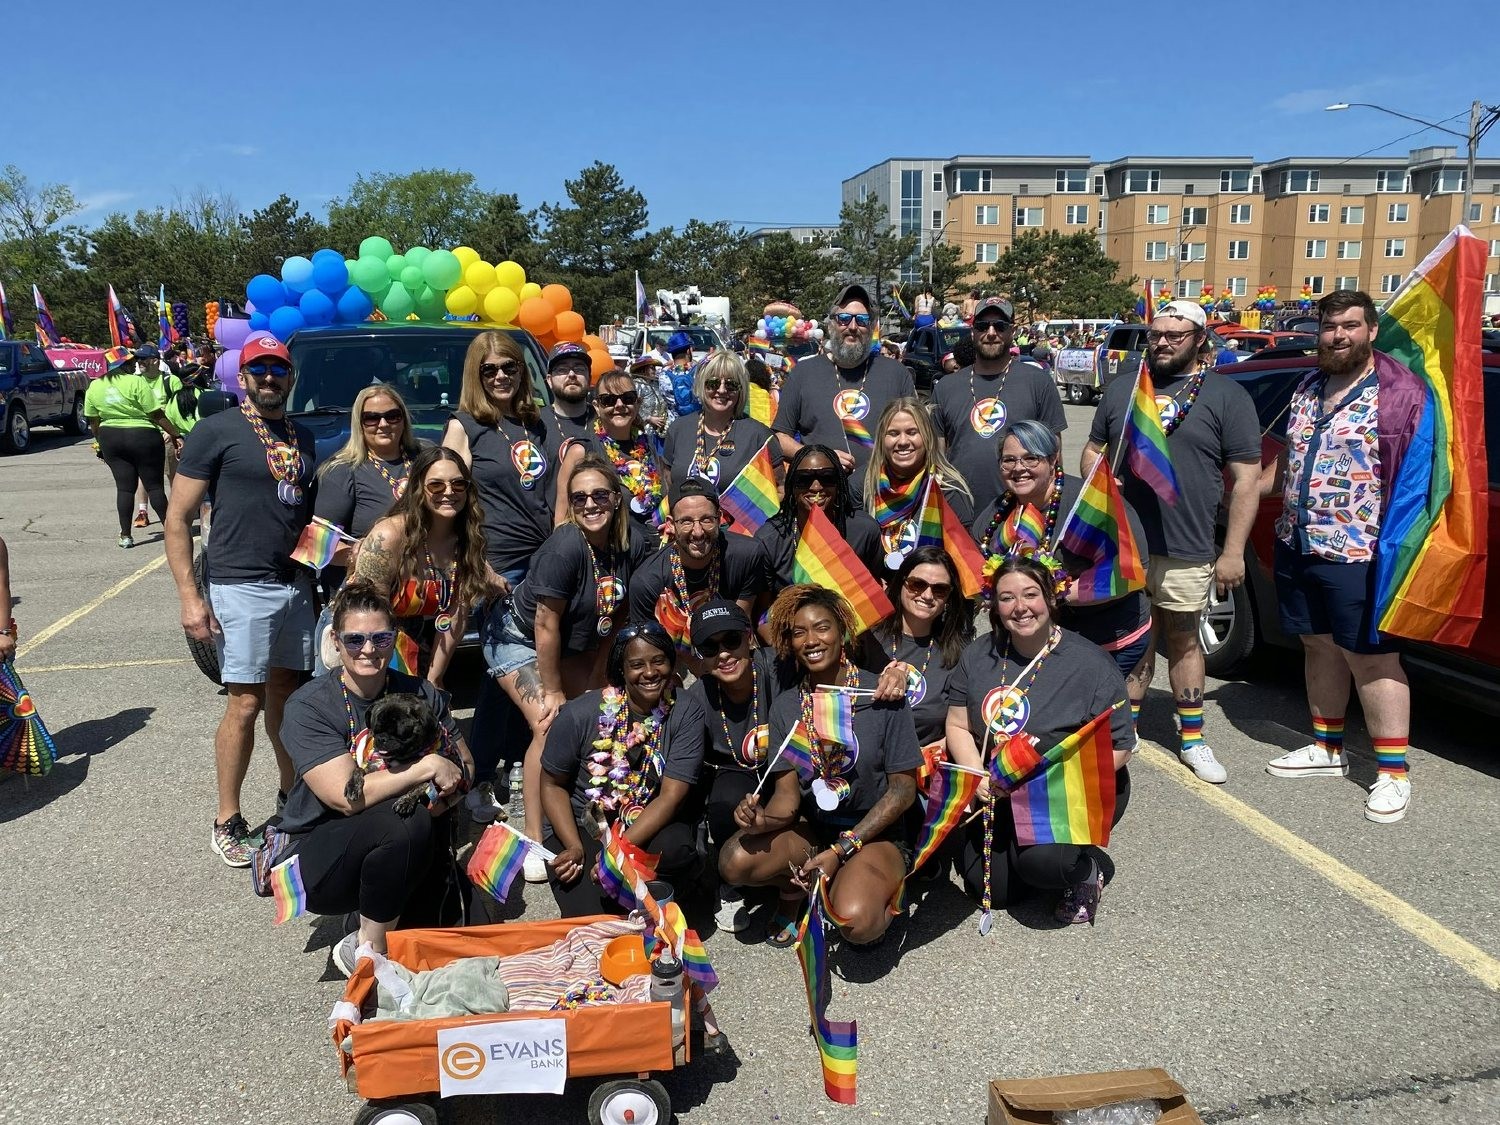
379 556
900 792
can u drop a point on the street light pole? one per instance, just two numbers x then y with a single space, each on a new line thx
932 245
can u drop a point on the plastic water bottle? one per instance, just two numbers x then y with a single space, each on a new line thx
666 984
517 799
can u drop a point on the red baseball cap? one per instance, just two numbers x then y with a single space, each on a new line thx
262 344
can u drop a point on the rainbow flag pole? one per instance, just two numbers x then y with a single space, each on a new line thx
798 755
7 322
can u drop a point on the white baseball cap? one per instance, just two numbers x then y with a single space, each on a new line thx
1186 310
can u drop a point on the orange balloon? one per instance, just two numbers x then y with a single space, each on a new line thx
569 326
593 343
558 297
602 363
536 316
547 340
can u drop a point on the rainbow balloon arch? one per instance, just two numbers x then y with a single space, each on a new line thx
424 285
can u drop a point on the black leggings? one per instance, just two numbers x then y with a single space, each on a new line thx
680 865
1048 867
375 862
724 791
135 453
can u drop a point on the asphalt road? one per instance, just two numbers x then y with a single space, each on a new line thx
1283 958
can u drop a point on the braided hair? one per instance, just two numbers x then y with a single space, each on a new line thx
785 519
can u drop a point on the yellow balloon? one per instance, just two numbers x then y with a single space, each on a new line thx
466 255
480 277
501 305
462 301
511 275
530 289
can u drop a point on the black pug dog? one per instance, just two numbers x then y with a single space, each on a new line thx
402 729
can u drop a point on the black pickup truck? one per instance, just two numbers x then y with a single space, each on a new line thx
34 391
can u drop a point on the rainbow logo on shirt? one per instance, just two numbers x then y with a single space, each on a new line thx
987 417
1005 711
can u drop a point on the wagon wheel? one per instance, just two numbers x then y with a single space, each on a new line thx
630 1102
397 1113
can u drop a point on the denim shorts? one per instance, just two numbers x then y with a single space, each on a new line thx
507 648
263 625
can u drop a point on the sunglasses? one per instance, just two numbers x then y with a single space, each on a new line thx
846 319
490 370
916 587
457 486
354 642
716 384
369 419
999 327
722 642
631 632
1170 337
805 478
274 370
601 497
628 398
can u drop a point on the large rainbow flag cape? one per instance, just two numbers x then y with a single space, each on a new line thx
752 497
1071 801
26 746
838 1040
7 322
1434 532
122 332
825 559
1097 531
46 330
498 858
1145 442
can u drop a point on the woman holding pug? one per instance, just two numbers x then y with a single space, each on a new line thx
351 820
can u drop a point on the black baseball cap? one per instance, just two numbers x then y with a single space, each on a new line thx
715 617
694 486
853 292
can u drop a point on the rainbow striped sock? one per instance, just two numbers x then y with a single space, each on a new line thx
1191 718
1390 756
1328 734
1135 711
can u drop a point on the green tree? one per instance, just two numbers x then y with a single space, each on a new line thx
595 242
35 236
872 250
779 268
951 272
708 255
273 234
1053 274
433 207
503 232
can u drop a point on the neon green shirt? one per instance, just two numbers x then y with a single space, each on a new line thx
121 400
183 423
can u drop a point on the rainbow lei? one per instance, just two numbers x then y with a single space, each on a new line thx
615 785
643 481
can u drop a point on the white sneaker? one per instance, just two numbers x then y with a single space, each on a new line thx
535 870
733 914
1308 761
1388 800
1200 759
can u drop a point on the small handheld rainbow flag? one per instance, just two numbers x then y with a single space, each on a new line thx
1145 441
287 890
498 858
1072 801
666 924
122 332
1098 532
624 870
1024 525
752 497
824 558
797 749
962 551
318 542
1016 758
950 788
856 432
164 315
838 1040
833 716
46 330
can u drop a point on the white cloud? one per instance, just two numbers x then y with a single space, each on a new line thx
102 200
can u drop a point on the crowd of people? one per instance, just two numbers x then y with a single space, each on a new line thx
654 655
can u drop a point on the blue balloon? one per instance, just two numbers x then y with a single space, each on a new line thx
297 273
330 272
316 307
259 321
354 307
265 293
285 321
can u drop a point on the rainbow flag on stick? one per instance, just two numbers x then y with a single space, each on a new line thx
287 890
950 788
498 859
122 332
164 316
833 716
1097 531
407 655
838 1040
46 330
1145 442
825 559
1072 801
624 870
1016 758
318 542
752 497
1434 533
797 749
1025 525
954 538
7 322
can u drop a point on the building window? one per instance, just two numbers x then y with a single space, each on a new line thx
1492 283
987 215
1072 179
1236 286
1350 282
1295 180
1192 251
1495 248
1390 179
1142 180
1187 189
937 182
1495 214
1315 284
1317 212
973 180
807 239
911 200
986 251
937 219
864 192
1028 216
1189 287
1239 212
1475 210
1448 180
1352 216
1396 212
1316 248
1234 180
1395 247
1076 214
1195 216
1390 282
1348 250
1239 250
1157 213
1099 188
1156 251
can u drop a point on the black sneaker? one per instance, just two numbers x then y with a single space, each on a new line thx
233 842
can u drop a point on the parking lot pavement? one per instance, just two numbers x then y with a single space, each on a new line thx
1282 957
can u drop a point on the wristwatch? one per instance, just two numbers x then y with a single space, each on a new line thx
844 848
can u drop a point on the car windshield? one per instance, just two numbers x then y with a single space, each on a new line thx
703 338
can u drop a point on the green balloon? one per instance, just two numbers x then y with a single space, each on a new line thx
430 304
376 247
369 274
397 303
394 265
441 270
411 277
417 255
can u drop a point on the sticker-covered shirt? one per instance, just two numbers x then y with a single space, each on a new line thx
1332 497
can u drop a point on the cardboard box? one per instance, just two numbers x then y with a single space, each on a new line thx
1031 1101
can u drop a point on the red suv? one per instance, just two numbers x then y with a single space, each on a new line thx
1236 626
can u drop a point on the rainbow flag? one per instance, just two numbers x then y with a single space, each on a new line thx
624 870
287 890
1434 532
824 558
1098 531
498 859
856 432
1072 801
930 515
666 924
46 330
406 656
752 497
833 716
122 332
1024 525
164 315
318 542
113 357
962 551
838 1040
695 961
1146 442
797 749
1015 759
950 788
761 407
7 322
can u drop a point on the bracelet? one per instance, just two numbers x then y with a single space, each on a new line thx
847 844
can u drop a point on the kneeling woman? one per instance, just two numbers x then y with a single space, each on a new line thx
852 822
354 850
628 755
1030 675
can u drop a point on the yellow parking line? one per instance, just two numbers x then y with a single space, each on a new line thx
32 670
1467 956
83 611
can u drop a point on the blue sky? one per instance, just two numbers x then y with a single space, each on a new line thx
717 111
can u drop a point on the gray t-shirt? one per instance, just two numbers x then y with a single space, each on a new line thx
728 726
1221 427
724 457
807 409
926 678
969 418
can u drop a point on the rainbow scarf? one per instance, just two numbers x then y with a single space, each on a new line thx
497 860
1430 561
1098 532
833 716
752 497
288 891
824 558
894 504
838 1040
1072 801
1146 442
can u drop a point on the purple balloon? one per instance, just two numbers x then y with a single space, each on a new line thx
231 331
227 370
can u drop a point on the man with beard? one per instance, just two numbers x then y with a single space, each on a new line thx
1349 425
1210 423
699 563
971 407
259 613
835 401
568 372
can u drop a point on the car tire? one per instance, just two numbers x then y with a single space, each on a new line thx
16 437
75 423
1227 630
1077 394
204 654
397 1112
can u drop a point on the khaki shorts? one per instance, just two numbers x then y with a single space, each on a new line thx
1175 586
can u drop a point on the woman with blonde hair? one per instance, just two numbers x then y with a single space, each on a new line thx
720 440
906 459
